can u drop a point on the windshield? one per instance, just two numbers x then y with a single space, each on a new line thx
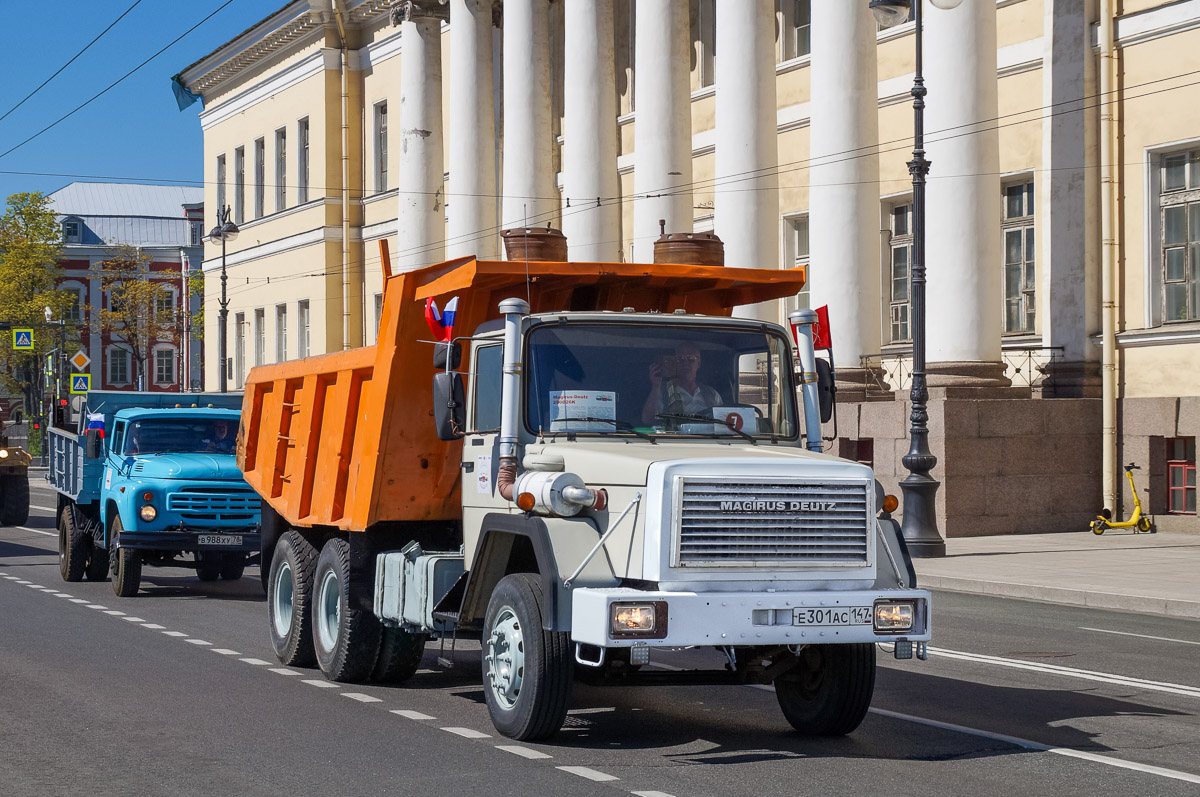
660 379
180 436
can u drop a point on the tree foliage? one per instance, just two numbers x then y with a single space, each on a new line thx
140 310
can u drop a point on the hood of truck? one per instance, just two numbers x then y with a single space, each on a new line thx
616 462
206 467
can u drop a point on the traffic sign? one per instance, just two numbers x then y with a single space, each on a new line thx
80 360
80 383
22 339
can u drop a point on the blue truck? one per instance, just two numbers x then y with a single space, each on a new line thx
148 479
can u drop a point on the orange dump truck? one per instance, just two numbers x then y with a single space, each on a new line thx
600 454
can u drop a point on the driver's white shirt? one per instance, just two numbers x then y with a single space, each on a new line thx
704 399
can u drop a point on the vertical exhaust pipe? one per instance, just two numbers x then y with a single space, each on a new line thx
802 321
513 310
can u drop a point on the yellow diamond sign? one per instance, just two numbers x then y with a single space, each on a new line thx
80 360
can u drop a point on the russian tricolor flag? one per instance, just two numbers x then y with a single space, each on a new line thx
96 421
441 322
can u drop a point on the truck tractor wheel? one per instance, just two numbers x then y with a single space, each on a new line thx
233 567
97 564
829 692
72 546
208 566
527 671
15 509
399 657
124 563
346 638
289 599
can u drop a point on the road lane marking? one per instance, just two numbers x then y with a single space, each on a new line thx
361 698
78 600
1070 672
96 606
590 774
33 586
320 684
652 794
134 619
226 652
175 633
46 508
1142 636
412 715
256 662
194 641
153 626
11 578
524 752
1030 745
283 671
63 595
114 612
37 531
19 581
467 733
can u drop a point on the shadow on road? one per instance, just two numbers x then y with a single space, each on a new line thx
15 549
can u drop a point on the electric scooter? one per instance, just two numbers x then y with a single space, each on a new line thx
1141 524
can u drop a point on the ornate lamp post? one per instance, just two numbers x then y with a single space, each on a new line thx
225 230
920 489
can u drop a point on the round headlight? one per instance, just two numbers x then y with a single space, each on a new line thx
3 453
148 513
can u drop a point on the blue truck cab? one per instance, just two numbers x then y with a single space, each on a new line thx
152 479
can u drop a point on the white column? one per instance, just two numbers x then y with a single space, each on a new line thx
663 125
746 210
420 217
844 192
530 194
590 133
963 259
472 226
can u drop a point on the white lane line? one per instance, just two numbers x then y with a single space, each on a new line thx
1070 672
256 662
46 508
652 794
175 633
361 698
63 595
37 531
153 626
226 652
96 606
412 715
590 774
195 641
524 752
467 733
34 586
134 619
283 671
114 612
1029 745
19 581
1141 636
11 578
78 600
320 684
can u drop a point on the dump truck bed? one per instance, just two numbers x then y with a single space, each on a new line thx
347 439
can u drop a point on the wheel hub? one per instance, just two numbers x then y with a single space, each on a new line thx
328 610
505 658
281 603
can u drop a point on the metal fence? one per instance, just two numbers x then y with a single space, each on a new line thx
891 373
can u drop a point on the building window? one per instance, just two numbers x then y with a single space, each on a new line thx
71 231
378 313
1181 475
260 336
74 308
239 350
220 181
794 19
899 276
704 33
280 169
164 367
239 185
260 154
196 232
795 254
1020 276
118 366
381 147
302 165
1180 204
302 329
280 333
164 304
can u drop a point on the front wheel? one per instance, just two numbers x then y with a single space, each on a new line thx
14 511
125 563
289 599
1098 527
234 566
208 566
829 691
528 671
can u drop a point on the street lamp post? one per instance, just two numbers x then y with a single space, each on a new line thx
920 489
225 230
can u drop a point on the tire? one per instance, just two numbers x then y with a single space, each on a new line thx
234 566
14 511
1097 527
97 564
400 653
72 546
527 671
124 563
289 599
1144 525
345 638
208 566
829 692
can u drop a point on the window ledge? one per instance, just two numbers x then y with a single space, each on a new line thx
1172 334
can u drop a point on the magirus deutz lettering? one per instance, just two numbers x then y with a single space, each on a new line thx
777 506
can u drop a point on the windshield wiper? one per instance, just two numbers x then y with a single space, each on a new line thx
710 421
623 426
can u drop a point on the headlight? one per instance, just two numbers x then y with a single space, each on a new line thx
148 513
3 453
894 617
647 620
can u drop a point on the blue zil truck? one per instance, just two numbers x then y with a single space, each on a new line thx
149 479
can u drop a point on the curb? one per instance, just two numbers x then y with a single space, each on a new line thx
1093 599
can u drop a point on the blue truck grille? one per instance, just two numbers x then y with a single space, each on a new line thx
214 505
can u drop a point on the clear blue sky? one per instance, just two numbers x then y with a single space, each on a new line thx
134 132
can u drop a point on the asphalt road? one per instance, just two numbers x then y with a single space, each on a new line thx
177 691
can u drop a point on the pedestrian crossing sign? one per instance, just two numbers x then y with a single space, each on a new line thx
80 383
22 339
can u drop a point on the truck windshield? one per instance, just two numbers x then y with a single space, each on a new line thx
180 436
660 379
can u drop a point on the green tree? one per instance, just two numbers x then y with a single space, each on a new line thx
140 311
30 247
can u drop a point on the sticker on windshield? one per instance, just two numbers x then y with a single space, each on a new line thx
583 410
731 420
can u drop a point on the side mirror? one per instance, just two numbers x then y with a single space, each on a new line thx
93 444
449 405
826 389
447 351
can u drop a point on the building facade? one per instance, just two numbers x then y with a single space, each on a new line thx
1062 246
166 223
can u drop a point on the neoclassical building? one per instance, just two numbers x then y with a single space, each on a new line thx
1063 208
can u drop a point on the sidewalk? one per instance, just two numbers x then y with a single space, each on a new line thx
1145 573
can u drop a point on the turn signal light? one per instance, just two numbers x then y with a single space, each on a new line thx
147 496
526 501
890 503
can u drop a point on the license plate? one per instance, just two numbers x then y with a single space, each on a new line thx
835 616
219 539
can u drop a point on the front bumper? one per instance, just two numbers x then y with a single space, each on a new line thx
189 541
739 618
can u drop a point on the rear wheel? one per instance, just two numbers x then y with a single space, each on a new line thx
97 564
125 563
14 510
829 692
346 638
289 599
72 546
399 657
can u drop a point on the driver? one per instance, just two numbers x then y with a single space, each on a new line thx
674 389
219 439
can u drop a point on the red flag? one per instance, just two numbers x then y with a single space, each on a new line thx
822 335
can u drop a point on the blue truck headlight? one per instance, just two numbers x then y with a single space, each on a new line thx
894 617
646 619
148 513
